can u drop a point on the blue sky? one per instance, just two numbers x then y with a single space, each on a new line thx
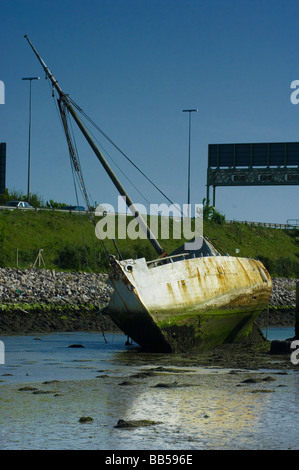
133 66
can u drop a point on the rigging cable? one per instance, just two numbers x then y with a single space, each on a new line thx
73 151
121 152
63 108
76 170
119 149
117 166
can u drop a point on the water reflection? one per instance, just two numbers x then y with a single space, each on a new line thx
196 407
203 407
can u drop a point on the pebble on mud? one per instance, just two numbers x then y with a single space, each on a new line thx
250 381
127 382
27 389
85 419
135 423
171 385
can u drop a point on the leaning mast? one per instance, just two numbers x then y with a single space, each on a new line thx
66 101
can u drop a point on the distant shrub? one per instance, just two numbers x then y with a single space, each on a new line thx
78 258
55 205
282 267
17 195
3 254
217 217
137 250
268 263
286 267
211 213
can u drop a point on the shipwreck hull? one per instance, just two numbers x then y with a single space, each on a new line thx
189 304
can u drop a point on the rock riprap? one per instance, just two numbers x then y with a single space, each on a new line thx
283 293
40 300
35 286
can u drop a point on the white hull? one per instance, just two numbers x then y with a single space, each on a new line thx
217 297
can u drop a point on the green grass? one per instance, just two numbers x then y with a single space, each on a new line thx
69 243
278 249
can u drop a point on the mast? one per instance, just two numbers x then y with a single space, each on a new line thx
66 101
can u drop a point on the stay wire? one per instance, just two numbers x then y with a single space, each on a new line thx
75 168
85 192
79 166
72 166
121 152
99 143
117 166
118 148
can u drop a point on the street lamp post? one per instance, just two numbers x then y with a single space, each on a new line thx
29 143
189 162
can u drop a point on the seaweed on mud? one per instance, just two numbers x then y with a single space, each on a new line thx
135 423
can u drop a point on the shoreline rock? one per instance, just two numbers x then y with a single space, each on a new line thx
52 287
283 293
40 300
282 304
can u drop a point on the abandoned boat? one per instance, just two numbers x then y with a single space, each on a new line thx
186 301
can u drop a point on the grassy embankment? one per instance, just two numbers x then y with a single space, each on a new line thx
69 243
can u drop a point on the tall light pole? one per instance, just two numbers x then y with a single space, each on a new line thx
29 144
189 163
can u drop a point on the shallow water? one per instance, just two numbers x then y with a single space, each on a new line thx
194 407
279 332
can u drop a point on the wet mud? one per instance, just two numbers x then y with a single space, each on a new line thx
136 400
